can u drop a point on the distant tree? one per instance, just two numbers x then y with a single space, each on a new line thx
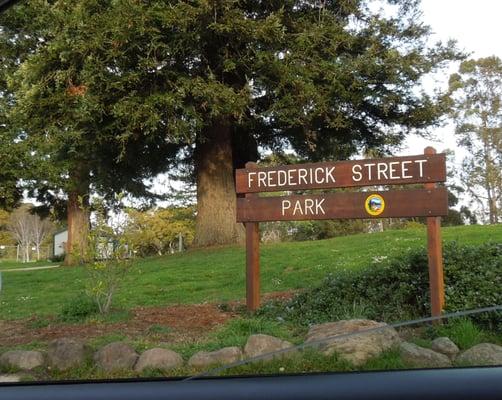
159 229
41 229
28 229
5 235
477 111
122 87
20 226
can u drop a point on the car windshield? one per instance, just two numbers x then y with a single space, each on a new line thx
210 188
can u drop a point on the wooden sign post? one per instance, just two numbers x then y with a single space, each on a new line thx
252 257
435 256
430 202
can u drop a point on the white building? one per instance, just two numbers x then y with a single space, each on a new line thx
59 242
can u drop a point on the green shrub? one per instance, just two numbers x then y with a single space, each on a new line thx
58 258
463 332
398 289
78 309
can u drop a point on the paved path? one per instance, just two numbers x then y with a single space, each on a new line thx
29 268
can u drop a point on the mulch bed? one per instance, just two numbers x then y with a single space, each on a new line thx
187 322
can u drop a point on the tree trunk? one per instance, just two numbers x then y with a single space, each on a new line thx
216 199
78 219
493 209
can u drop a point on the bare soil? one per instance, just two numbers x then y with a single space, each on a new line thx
182 323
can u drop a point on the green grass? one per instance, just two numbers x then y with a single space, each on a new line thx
218 274
10 264
465 333
237 331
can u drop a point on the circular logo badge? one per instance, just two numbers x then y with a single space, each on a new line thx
374 204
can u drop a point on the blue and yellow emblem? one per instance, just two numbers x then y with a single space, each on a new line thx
374 204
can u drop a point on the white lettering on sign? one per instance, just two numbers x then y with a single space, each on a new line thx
319 176
282 178
356 173
404 170
286 205
386 171
292 177
303 207
421 166
382 169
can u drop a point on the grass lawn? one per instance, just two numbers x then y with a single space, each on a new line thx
217 275
11 264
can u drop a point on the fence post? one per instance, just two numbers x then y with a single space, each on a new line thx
435 256
252 258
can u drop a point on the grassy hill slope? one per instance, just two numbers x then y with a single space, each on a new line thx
218 274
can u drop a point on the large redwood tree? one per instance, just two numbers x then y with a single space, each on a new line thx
214 82
61 89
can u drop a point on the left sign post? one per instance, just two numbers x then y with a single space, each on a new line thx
252 255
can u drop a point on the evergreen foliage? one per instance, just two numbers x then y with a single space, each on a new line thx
398 289
104 93
477 110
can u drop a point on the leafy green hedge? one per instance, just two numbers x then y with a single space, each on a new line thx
398 289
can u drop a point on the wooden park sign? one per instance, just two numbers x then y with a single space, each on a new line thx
430 201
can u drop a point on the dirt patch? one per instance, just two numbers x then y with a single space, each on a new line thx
199 316
173 324
184 322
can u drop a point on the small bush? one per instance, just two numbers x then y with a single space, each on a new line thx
57 258
78 309
398 289
463 332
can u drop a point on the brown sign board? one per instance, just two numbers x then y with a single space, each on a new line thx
382 204
430 202
425 168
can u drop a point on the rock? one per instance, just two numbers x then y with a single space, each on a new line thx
420 357
481 354
355 348
259 345
22 359
158 359
223 356
66 353
116 356
445 346
9 378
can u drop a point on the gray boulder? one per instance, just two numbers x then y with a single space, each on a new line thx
358 348
227 355
66 353
158 358
481 354
22 359
417 356
260 345
445 346
115 356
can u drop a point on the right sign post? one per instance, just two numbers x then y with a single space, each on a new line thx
429 201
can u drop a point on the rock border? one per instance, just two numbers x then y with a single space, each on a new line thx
120 356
